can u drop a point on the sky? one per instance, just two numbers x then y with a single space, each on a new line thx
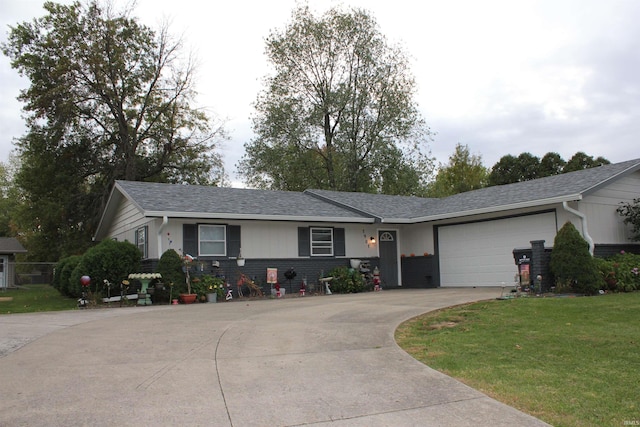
501 77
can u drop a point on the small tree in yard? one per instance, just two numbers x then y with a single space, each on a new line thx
571 263
170 266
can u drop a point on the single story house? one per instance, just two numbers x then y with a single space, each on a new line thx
9 247
463 240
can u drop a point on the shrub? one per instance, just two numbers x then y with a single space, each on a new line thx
621 272
109 260
170 266
571 263
64 268
346 280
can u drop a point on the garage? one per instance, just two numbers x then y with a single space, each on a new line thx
481 253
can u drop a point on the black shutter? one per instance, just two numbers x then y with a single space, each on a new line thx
304 244
233 240
190 239
338 242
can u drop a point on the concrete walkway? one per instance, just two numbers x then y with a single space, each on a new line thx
312 361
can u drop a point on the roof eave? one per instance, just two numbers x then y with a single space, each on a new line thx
254 217
490 209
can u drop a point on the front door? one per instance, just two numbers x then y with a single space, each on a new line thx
388 242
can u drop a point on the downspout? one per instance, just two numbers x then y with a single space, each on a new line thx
585 230
165 221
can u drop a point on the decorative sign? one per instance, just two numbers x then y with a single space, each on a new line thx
272 275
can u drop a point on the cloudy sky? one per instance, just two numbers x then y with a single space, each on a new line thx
502 77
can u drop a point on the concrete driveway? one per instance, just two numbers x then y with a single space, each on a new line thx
312 361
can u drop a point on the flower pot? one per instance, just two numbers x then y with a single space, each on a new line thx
240 262
212 297
188 298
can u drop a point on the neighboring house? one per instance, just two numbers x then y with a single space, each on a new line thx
462 240
9 247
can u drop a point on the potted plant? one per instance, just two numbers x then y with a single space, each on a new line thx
214 288
240 259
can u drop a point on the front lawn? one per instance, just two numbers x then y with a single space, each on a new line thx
567 361
34 298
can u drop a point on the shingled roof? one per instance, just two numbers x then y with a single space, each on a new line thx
194 201
9 245
553 189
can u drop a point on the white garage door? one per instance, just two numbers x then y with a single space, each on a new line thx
481 253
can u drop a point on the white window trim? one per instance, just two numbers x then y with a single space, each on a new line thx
311 242
142 242
224 240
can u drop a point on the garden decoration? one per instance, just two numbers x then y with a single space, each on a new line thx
290 274
187 298
85 281
327 286
303 286
254 289
145 278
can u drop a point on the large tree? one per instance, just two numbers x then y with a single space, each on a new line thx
9 199
526 166
109 99
580 161
464 172
338 113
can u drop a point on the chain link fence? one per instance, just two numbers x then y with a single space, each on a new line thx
16 274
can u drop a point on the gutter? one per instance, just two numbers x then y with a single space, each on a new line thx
165 221
585 230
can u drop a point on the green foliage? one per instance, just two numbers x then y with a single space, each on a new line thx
581 161
62 276
571 263
551 164
170 267
338 113
346 280
510 169
9 199
35 299
109 260
211 284
631 214
621 272
108 99
464 172
526 166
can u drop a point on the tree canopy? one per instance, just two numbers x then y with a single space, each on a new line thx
526 166
108 99
338 113
464 172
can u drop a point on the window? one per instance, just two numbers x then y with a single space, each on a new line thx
141 241
321 242
212 240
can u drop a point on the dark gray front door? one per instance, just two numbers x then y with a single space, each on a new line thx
388 258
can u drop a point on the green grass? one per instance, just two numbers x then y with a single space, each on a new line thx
35 298
567 361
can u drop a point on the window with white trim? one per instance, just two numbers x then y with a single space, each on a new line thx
212 240
321 241
141 241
